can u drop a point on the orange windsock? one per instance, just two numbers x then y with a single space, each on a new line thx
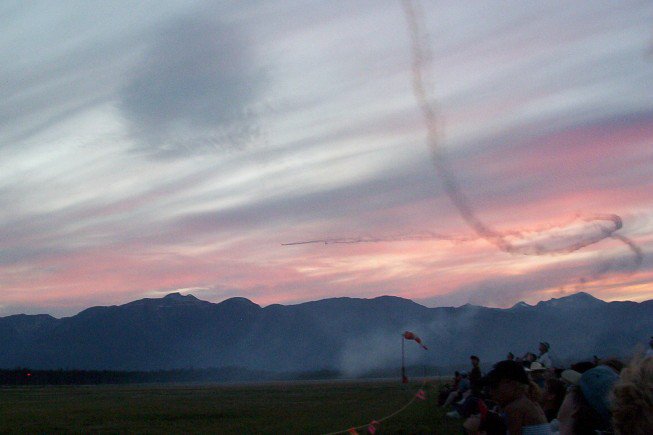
411 336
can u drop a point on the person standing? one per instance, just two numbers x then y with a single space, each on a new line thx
475 375
545 357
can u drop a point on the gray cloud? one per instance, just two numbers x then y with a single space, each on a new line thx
194 90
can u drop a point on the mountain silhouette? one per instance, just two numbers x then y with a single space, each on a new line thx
349 335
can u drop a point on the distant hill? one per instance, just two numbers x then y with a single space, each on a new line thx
349 335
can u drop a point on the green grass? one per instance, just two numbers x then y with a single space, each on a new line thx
273 408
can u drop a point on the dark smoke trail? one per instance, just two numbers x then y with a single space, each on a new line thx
422 235
579 233
637 251
603 226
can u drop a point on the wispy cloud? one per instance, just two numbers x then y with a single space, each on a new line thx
162 146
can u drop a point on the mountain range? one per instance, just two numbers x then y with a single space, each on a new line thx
349 335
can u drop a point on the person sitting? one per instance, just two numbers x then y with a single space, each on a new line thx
448 389
456 380
632 399
527 359
508 384
456 395
465 407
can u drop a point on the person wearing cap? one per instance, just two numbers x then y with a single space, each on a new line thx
545 358
508 384
586 407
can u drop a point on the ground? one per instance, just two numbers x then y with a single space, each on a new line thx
274 408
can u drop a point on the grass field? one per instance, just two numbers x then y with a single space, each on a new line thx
273 408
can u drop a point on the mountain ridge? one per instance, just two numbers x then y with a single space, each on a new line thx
177 297
346 334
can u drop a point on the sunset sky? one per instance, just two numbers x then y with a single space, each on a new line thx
159 146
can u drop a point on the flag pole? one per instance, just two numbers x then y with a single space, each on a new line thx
404 379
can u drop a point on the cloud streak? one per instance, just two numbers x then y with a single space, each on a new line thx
114 189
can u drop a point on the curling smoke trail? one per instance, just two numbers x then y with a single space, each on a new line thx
596 228
571 236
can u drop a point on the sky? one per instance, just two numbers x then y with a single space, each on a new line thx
183 146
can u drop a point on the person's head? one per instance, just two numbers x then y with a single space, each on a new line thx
506 381
586 407
510 356
632 399
475 360
530 357
576 416
596 385
544 347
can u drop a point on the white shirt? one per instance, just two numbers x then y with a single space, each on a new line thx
545 360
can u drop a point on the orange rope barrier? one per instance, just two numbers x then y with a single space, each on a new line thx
419 395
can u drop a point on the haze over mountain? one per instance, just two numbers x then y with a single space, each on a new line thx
350 335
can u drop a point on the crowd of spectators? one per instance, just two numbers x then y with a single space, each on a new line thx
533 395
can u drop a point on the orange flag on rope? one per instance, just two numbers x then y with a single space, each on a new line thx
371 428
411 336
421 395
352 431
